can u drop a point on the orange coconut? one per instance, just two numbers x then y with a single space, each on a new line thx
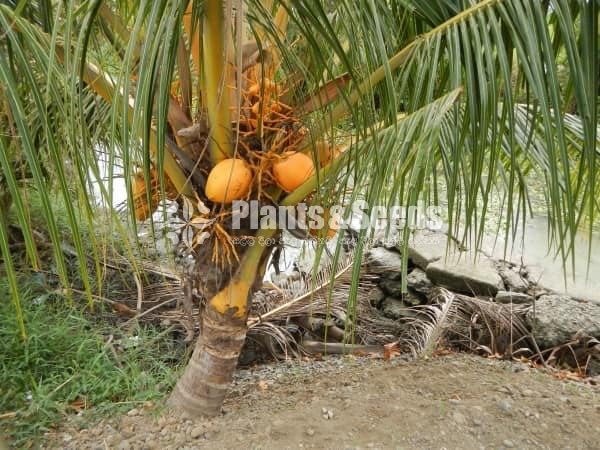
229 180
293 170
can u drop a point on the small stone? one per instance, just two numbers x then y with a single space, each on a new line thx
504 406
124 445
134 412
327 413
196 432
208 435
508 443
67 438
477 422
459 418
310 432
454 401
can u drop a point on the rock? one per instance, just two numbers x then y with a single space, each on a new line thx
171 236
391 287
459 418
557 318
381 260
508 443
208 435
393 308
426 247
478 278
512 280
134 412
310 432
394 275
375 296
197 432
327 413
505 406
513 297
418 281
594 366
124 445
162 247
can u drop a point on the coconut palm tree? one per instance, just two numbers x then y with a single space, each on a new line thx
289 101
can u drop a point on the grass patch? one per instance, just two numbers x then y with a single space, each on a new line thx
71 358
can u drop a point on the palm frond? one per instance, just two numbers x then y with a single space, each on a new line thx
527 74
467 323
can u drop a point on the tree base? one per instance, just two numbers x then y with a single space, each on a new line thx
203 387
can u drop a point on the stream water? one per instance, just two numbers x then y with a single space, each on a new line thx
530 247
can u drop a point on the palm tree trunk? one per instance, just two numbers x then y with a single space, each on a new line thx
202 388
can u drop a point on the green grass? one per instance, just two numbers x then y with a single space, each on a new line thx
72 356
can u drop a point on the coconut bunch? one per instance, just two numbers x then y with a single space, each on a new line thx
273 151
273 155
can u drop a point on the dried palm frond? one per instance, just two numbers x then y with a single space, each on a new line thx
577 353
427 331
467 323
318 305
296 289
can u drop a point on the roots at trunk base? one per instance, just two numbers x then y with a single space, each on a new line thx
203 387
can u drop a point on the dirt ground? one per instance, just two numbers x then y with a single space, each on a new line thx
456 401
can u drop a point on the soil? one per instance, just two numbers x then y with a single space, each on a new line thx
456 401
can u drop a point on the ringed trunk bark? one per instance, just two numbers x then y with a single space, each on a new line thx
202 388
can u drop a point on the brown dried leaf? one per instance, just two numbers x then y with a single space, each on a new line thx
123 310
390 351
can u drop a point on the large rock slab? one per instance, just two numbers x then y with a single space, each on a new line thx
557 318
477 278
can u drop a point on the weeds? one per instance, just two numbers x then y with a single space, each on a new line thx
71 361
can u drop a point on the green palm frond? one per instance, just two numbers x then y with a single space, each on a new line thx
528 73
